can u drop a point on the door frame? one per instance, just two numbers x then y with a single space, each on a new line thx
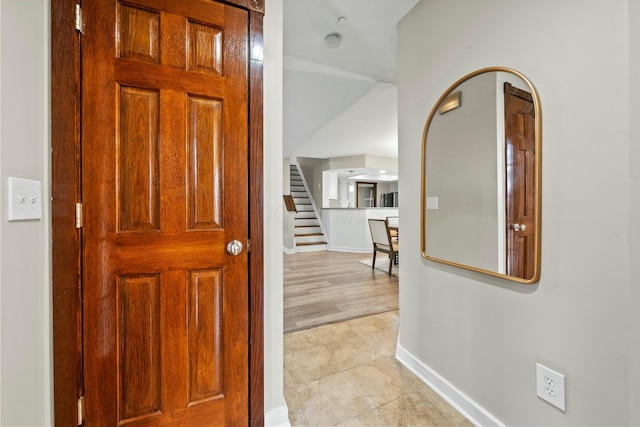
65 191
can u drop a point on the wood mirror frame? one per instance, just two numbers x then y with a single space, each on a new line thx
506 231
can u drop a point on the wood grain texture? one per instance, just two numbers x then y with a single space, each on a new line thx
204 48
138 34
327 287
65 172
205 334
520 190
139 159
67 289
139 347
256 221
204 137
182 352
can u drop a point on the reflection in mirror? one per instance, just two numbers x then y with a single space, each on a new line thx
366 193
481 176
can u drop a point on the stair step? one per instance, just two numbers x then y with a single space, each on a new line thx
310 243
307 222
309 236
305 219
312 248
306 239
313 230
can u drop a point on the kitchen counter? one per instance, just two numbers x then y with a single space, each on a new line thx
348 228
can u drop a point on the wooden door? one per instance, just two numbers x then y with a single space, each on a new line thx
164 188
520 181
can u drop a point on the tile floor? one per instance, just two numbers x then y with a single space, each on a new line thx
346 374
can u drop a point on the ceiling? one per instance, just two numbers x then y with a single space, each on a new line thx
341 101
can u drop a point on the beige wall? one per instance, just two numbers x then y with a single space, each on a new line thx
633 298
484 335
461 169
24 252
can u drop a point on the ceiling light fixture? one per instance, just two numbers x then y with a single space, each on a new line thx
333 40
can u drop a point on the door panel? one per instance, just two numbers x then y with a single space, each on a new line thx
164 173
520 180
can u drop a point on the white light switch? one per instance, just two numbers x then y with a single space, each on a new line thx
25 199
432 202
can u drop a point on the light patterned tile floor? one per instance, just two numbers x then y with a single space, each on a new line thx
346 374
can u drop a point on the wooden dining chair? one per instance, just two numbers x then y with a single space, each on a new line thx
392 225
382 242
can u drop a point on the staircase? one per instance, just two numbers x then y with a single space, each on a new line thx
308 232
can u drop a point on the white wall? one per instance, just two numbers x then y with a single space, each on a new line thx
348 229
24 264
482 334
275 406
288 224
312 169
633 299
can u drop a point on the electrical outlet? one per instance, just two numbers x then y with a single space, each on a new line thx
550 386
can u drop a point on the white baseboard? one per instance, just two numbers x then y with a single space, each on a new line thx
288 251
348 249
463 403
278 417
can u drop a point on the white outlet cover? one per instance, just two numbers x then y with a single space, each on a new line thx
550 386
25 199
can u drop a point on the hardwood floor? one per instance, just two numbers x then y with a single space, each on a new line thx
327 287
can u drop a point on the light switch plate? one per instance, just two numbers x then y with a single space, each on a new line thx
25 199
432 202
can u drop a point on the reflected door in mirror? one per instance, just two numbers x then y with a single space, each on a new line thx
366 193
481 163
520 170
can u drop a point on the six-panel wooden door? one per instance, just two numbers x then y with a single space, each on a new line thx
520 181
164 189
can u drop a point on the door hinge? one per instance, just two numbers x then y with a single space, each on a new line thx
81 410
78 215
79 21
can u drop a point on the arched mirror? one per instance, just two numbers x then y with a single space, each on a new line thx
481 176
